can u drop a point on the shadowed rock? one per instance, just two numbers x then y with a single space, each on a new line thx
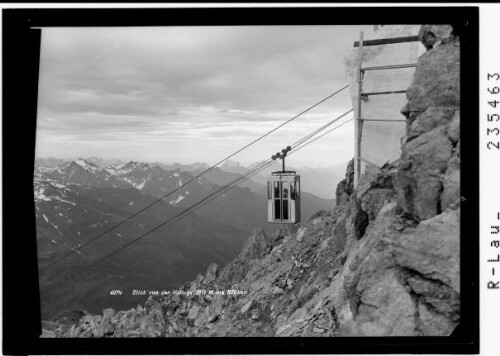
433 35
433 128
346 186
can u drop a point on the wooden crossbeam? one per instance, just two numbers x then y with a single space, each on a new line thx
385 120
368 162
384 41
384 92
393 66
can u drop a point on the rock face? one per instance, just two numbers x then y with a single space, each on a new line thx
256 247
404 278
383 262
397 273
434 35
346 186
433 120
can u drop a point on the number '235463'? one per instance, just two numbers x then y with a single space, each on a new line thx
495 131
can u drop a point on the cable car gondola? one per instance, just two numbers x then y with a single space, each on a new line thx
283 194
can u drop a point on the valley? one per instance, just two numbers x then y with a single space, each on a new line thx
79 201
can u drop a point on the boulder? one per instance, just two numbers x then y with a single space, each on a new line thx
193 312
212 272
373 201
301 233
432 36
436 82
450 197
394 272
74 331
389 209
430 119
109 329
418 180
437 296
277 290
98 331
108 313
247 307
433 324
386 308
153 306
432 249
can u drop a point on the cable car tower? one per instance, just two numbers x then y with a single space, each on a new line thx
283 194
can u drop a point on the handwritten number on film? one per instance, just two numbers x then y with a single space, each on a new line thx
493 117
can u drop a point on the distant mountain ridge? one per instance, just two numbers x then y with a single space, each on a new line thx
78 200
82 172
197 166
317 180
68 215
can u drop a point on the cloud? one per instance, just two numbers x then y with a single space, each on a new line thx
101 85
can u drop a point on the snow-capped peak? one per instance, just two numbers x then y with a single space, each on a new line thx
79 162
127 167
86 165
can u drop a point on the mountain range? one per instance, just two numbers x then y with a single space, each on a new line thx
320 180
77 201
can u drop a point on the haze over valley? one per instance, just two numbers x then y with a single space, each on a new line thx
78 200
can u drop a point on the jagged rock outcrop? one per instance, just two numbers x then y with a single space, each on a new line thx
346 185
404 278
433 119
257 245
396 273
433 35
384 261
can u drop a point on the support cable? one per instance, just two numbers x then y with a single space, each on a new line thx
201 203
219 192
73 249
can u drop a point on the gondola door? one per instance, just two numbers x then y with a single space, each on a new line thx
280 199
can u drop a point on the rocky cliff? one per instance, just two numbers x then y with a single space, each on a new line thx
385 261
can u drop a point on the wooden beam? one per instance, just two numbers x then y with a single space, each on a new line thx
383 120
384 41
384 92
394 66
358 125
368 162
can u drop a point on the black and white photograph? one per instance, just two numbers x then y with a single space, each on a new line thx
299 181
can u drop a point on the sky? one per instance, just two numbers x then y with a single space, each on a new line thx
193 94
